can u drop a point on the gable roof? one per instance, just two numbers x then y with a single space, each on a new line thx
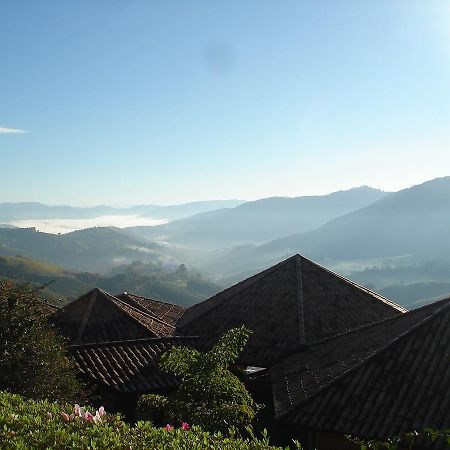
100 317
376 382
167 312
288 306
128 366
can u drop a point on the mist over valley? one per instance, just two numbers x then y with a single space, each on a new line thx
395 243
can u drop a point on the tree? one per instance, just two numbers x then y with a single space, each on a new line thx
209 394
33 359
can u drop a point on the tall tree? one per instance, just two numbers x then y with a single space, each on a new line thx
33 359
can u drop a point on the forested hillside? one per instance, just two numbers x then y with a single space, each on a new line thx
171 282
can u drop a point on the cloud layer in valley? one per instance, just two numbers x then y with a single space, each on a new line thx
69 225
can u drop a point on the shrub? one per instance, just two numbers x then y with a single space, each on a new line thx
32 355
28 424
152 407
209 394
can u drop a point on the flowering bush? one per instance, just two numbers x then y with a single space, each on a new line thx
184 426
80 412
39 425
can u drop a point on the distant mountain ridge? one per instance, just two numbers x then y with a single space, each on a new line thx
413 222
259 221
34 210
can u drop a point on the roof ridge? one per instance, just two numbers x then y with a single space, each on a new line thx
128 294
46 303
86 315
239 288
120 303
133 341
375 353
360 287
77 300
135 302
300 305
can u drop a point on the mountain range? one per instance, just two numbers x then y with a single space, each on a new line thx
259 221
31 210
397 243
412 222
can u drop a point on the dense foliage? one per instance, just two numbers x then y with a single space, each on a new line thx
210 395
171 282
43 425
32 355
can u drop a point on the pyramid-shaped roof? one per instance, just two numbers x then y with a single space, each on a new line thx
100 317
288 306
376 382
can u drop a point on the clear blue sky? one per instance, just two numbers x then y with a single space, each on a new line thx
128 102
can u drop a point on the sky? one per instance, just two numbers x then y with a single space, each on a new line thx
125 102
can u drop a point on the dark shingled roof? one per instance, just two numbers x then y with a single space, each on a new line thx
128 366
376 382
288 306
100 317
167 312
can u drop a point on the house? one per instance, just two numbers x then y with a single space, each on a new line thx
122 370
288 307
101 317
375 382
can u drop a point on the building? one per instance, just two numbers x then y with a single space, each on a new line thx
101 317
122 370
288 307
375 382
116 341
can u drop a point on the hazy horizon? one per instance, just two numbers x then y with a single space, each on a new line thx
68 220
200 200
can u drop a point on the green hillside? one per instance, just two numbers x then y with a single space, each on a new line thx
19 264
173 283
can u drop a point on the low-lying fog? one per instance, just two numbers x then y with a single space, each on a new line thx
67 225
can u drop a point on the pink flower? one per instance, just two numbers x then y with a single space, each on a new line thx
169 427
65 416
185 426
77 410
88 417
101 411
49 415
